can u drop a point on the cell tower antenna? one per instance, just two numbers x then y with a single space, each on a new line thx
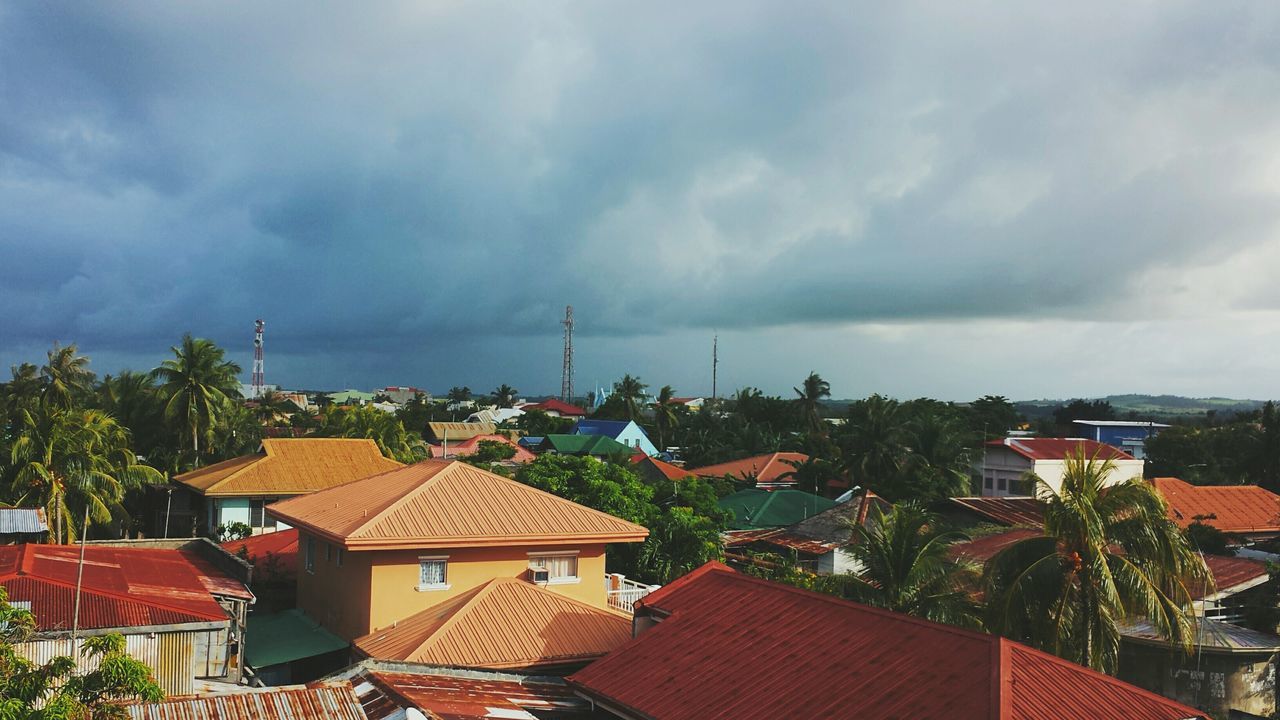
257 381
566 372
715 363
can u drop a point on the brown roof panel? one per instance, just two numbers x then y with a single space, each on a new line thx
1240 509
291 466
1005 510
329 702
451 694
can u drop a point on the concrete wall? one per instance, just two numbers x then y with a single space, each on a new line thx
1003 471
375 588
1215 682
229 510
633 436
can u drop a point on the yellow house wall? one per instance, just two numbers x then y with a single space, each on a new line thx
375 588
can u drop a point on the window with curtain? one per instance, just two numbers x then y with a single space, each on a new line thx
432 573
560 568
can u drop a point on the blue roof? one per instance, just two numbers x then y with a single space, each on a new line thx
608 428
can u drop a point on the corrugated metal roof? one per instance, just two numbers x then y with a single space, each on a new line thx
282 545
658 470
454 694
26 521
466 448
1060 448
584 445
286 636
1005 510
756 508
764 468
330 702
504 623
1230 508
984 548
1211 636
438 503
733 646
1231 574
123 586
291 466
452 431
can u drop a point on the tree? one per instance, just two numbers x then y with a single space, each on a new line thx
871 443
993 416
67 460
679 541
66 377
906 567
1106 553
630 391
459 394
538 423
1083 410
415 414
665 415
197 383
366 421
54 690
809 398
489 452
811 474
936 461
504 396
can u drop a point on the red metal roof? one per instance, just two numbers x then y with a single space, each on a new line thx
1230 573
982 549
1060 448
386 695
282 545
469 446
1240 509
733 646
1005 510
554 405
123 586
766 469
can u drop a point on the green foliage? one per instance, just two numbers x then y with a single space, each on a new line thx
489 452
666 415
809 399
197 384
630 392
538 423
233 531
679 541
504 396
993 416
415 414
367 421
1209 539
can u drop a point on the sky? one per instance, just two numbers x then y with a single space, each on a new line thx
912 198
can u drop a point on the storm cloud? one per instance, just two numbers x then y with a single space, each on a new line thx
920 198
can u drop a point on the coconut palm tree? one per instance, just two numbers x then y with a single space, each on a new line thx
809 398
811 474
70 460
872 443
1107 553
66 377
665 417
197 383
937 460
504 396
366 421
630 391
906 567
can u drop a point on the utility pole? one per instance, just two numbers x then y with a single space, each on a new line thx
715 364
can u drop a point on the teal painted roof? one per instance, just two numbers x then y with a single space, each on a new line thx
585 445
286 636
754 508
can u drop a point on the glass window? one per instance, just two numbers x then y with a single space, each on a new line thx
255 513
342 552
1002 484
987 482
328 552
310 555
433 573
560 568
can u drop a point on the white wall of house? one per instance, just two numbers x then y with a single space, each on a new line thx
244 510
838 562
1004 471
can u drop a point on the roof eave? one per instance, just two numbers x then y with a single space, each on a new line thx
356 543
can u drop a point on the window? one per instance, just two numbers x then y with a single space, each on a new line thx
433 573
310 555
987 482
1002 484
328 552
561 568
341 553
255 513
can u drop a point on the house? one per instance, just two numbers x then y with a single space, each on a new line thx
693 404
468 447
818 543
626 432
556 408
1249 511
237 490
23 525
1006 464
326 702
274 557
446 433
720 645
351 397
764 471
494 416
401 395
753 508
654 470
382 549
286 647
181 609
1128 435
505 623
596 446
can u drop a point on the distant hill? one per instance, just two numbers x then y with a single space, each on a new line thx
1150 405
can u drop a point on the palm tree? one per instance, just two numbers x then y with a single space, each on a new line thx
1107 553
811 474
809 398
68 461
937 461
459 394
66 377
197 384
504 396
366 421
906 567
631 392
872 443
665 416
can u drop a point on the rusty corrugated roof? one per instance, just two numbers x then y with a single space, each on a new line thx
729 646
290 466
1238 509
504 623
1005 510
439 503
454 694
766 469
327 702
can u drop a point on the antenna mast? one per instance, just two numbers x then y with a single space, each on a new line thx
566 372
715 363
258 385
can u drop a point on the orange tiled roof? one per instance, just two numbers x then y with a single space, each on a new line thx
765 468
290 466
441 503
1236 508
505 623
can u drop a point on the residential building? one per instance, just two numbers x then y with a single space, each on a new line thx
238 490
626 432
766 472
494 416
717 644
693 404
753 508
1010 510
556 408
820 543
288 647
447 433
656 470
351 397
596 446
401 395
23 525
382 549
1006 465
181 609
1248 511
468 447
1128 435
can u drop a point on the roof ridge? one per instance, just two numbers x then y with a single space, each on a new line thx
412 493
253 463
458 611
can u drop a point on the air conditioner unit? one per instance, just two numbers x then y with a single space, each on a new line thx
540 575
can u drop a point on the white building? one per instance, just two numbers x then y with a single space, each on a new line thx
1007 464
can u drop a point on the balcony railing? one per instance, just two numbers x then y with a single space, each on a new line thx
624 593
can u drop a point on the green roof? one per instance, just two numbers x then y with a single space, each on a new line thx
585 445
346 396
755 508
285 637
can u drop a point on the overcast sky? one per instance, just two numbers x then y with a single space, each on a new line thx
916 198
